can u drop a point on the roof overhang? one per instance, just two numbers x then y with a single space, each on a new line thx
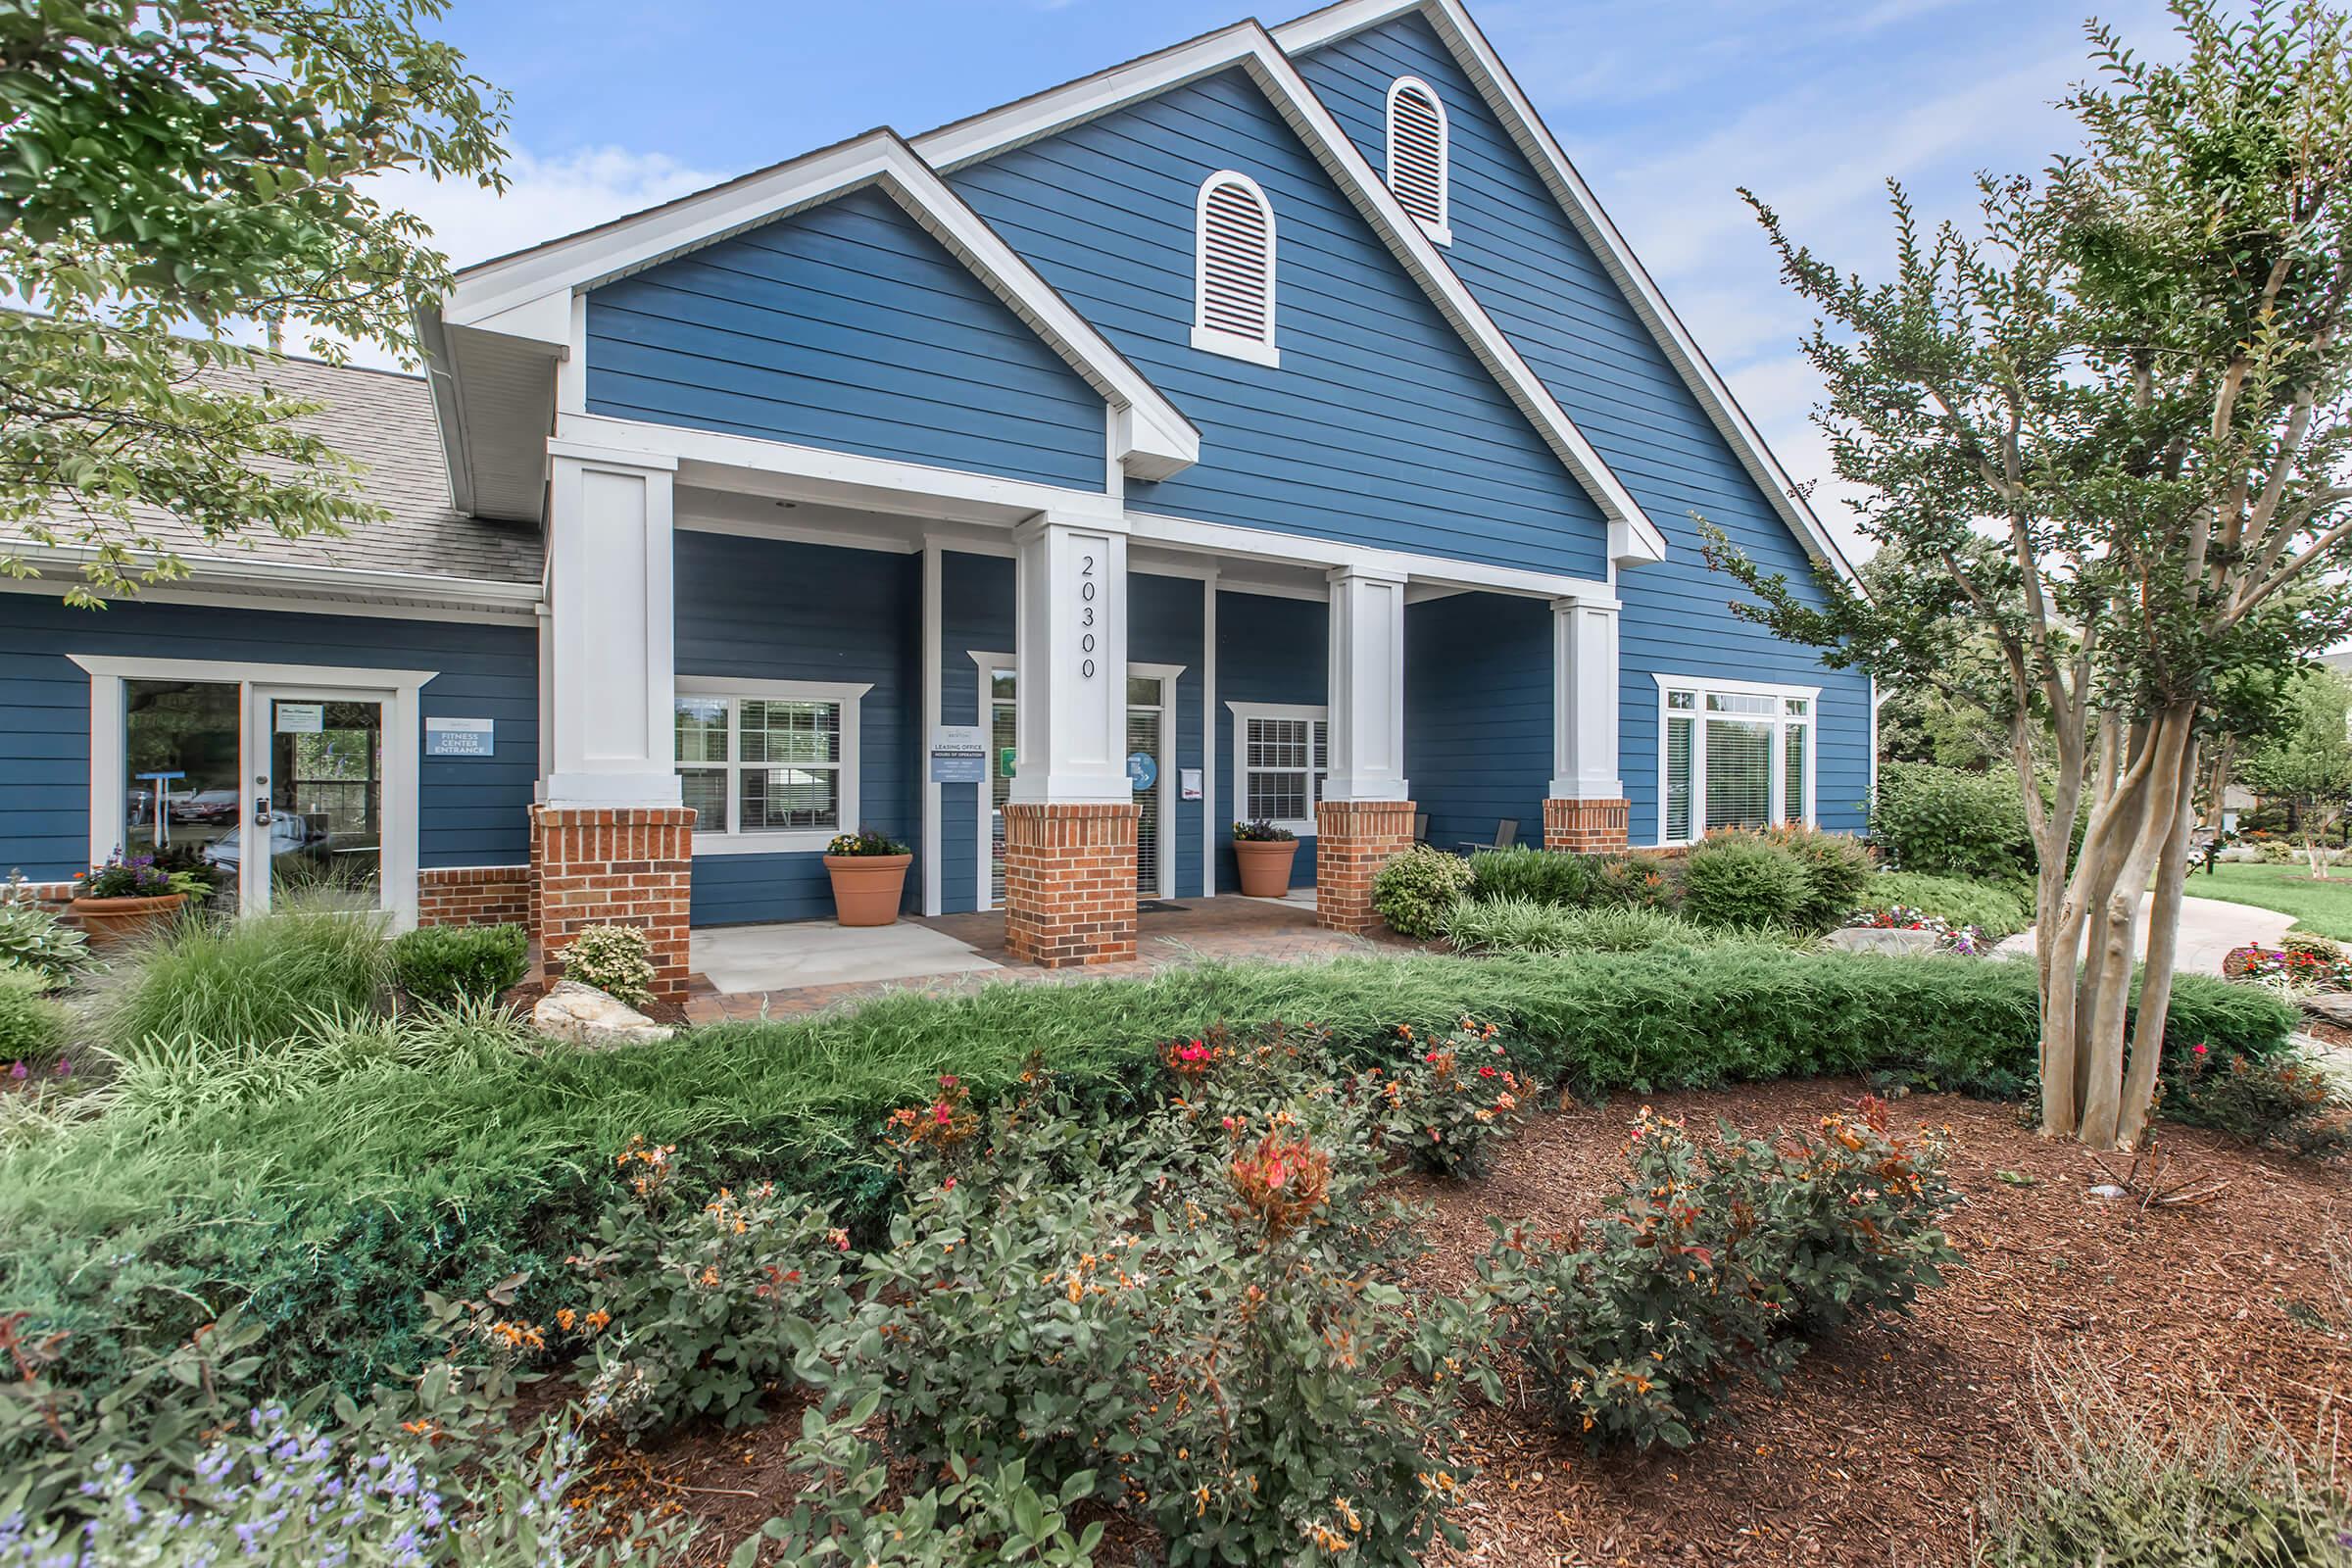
1633 537
303 585
1543 153
506 324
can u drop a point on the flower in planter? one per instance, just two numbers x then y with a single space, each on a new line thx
1261 831
133 877
865 841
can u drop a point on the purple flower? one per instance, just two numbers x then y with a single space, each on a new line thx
65 1068
19 1070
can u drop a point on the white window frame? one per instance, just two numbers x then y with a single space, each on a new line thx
777 841
1440 232
1243 714
397 689
1700 686
1216 340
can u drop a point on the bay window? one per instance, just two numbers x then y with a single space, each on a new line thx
1733 753
767 764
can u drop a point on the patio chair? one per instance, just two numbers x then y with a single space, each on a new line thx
1420 828
1506 834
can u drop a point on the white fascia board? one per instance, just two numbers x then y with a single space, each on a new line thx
530 296
261 575
1633 537
1229 542
1543 153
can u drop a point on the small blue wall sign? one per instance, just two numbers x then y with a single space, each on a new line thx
459 737
1143 771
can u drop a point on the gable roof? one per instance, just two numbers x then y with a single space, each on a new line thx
529 295
1510 105
382 419
1633 537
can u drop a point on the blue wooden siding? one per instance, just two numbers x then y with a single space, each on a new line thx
1519 254
1269 650
1164 627
770 609
845 326
1477 714
1380 427
975 616
471 810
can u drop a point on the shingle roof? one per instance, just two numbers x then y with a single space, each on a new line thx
383 420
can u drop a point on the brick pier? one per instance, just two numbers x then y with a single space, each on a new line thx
1585 827
1354 840
1069 883
605 866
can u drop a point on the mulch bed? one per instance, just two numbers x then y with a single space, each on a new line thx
1881 1446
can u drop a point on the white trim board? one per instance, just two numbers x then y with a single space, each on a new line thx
262 584
397 689
1510 105
530 295
1633 537
1243 713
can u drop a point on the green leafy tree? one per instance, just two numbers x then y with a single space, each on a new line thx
2108 427
2307 759
174 179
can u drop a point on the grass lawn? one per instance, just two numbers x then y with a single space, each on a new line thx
2323 909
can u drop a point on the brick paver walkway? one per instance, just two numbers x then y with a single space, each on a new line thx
1192 931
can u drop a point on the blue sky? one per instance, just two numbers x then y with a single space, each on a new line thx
1666 106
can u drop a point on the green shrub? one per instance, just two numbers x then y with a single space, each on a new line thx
2106 1485
250 981
686 1304
1414 891
31 1026
2289 1101
1449 1107
1535 875
1519 925
441 966
1939 821
33 938
1837 870
1997 909
331 1211
617 960
1739 879
1704 1263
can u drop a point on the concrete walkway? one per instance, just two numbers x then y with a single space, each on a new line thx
2209 929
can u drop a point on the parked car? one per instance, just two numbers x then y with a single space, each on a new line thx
289 834
205 805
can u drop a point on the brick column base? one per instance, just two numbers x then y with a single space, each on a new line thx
613 866
1354 840
1585 827
1069 883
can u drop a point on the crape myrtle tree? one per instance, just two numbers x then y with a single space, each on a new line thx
2108 429
2307 759
176 178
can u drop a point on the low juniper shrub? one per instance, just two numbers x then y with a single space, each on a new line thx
442 965
617 960
1414 891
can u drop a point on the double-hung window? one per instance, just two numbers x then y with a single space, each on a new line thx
1284 752
767 764
1733 753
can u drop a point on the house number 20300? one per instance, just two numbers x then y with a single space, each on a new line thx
1085 617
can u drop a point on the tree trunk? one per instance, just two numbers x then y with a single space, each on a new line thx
2156 982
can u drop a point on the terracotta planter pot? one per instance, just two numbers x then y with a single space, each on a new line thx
113 922
1265 866
866 887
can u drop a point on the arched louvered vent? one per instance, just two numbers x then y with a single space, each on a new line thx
1417 154
1235 311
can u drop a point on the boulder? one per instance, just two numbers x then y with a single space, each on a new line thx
582 1015
2330 1006
1881 939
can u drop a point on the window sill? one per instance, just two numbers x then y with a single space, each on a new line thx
1439 233
795 842
1234 346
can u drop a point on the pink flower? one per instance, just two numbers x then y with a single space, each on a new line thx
2198 1049
17 1071
1486 1072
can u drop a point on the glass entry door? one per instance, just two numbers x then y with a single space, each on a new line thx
1145 707
316 826
999 777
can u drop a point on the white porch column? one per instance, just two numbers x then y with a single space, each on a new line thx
613 681
1367 688
1586 809
1070 821
1070 646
